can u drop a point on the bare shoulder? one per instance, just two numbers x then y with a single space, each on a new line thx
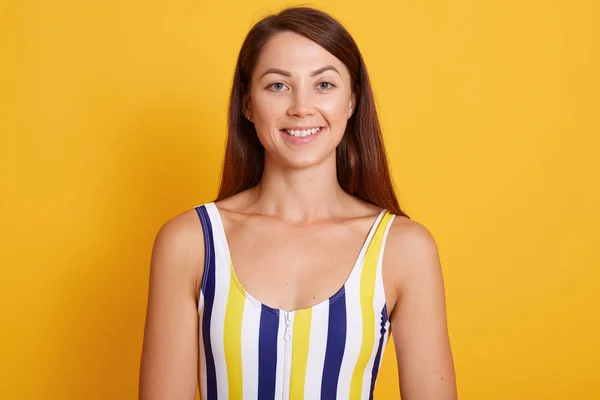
179 248
411 253
181 235
411 242
169 359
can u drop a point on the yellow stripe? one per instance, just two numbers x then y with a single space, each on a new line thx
301 338
232 340
367 291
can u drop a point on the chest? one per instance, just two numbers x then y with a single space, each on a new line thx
292 267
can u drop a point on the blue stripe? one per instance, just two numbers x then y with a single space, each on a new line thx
208 289
267 352
379 350
336 342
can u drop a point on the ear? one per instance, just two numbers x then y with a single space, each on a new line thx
351 104
246 107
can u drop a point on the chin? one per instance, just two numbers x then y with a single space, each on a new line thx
307 160
314 154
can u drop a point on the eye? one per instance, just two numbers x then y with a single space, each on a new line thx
277 86
325 85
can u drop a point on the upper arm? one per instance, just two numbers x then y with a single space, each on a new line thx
169 361
418 320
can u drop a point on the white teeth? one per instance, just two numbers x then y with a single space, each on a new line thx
301 132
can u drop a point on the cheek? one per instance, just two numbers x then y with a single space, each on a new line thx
266 109
335 109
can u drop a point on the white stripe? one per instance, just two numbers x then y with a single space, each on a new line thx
280 361
250 329
316 351
201 299
219 307
287 359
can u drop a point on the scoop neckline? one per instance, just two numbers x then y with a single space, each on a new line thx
331 299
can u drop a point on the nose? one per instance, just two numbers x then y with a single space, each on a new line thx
301 105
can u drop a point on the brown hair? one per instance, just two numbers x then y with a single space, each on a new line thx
362 169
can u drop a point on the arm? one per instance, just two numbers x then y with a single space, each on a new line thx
418 320
169 362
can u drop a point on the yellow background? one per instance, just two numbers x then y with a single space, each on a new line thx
112 120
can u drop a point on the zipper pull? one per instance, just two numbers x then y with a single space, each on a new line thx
288 322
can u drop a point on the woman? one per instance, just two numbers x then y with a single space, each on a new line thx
280 289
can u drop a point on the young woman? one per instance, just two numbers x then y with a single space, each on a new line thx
280 288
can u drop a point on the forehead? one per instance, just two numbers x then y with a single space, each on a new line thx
295 53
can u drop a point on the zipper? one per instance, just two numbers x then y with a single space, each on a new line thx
287 352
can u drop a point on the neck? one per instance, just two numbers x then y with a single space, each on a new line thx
300 194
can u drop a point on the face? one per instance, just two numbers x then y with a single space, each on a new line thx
300 101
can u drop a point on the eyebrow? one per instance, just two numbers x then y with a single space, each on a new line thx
289 74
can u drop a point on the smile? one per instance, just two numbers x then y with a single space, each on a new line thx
302 132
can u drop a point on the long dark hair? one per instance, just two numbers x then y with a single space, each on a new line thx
362 168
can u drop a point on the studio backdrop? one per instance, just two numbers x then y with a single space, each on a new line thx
113 120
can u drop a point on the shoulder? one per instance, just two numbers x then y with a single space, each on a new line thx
410 240
411 253
179 232
178 249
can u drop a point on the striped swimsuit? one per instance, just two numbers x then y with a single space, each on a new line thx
329 351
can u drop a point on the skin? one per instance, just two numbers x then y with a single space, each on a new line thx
308 227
